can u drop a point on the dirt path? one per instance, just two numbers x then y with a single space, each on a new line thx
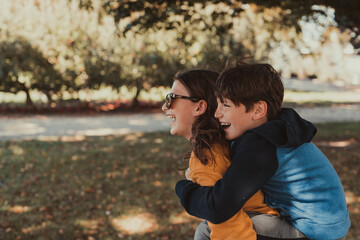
45 126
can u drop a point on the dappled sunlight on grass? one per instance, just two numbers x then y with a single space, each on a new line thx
83 135
72 138
91 226
337 144
157 184
353 204
341 144
17 209
92 187
34 228
181 218
352 198
158 140
117 173
122 187
155 150
139 223
76 138
16 150
134 137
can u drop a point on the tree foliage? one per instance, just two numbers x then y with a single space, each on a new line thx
160 13
24 68
62 47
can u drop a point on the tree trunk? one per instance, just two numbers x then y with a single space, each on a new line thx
135 101
29 102
48 96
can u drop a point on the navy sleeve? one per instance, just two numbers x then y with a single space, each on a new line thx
254 162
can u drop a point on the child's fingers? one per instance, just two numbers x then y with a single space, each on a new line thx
187 174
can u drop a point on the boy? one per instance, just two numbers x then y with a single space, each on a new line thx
272 151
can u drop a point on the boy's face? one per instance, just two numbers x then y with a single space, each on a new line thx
234 119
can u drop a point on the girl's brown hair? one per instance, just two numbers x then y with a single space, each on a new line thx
206 130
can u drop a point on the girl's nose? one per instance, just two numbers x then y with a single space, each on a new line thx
164 108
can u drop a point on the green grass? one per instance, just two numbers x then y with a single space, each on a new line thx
331 131
122 187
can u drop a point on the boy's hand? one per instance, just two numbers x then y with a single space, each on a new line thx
187 174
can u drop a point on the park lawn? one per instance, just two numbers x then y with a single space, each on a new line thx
122 187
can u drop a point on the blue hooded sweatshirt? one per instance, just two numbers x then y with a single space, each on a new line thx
298 180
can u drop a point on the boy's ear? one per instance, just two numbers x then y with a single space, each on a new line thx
260 110
201 108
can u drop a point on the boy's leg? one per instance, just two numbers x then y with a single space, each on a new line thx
202 231
271 226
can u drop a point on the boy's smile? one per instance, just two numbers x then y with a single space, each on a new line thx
234 119
225 125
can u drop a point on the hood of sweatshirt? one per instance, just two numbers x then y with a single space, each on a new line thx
287 130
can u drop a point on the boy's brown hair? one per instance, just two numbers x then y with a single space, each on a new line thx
250 83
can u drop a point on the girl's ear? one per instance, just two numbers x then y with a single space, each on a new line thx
201 108
260 110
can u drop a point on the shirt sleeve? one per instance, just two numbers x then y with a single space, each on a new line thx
254 162
204 176
208 174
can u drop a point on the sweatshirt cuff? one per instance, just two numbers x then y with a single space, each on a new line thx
180 185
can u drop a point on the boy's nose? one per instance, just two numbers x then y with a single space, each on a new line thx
217 113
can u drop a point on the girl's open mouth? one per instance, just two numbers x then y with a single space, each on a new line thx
170 116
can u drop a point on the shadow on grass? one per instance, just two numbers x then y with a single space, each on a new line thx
121 187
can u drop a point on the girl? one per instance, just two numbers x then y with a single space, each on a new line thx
192 104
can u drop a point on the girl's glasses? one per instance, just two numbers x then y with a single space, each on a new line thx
170 97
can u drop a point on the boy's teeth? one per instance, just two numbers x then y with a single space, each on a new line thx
225 125
171 116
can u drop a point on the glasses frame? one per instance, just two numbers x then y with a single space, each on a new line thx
170 97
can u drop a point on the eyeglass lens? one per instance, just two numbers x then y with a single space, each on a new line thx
168 100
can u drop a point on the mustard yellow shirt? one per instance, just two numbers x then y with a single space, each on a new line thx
240 225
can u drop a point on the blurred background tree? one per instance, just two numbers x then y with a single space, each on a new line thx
60 48
149 14
24 68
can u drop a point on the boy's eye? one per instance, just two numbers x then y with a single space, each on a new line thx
226 105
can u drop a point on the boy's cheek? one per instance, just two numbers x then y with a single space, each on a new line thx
229 136
233 133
